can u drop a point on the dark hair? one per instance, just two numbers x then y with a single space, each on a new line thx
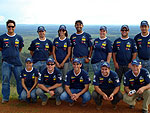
10 21
79 22
66 34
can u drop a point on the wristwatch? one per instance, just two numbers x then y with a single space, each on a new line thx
89 58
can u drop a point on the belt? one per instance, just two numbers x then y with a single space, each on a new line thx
145 58
82 57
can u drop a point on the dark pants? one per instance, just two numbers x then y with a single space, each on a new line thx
98 98
121 71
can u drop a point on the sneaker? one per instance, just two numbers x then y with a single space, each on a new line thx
71 104
44 102
58 103
114 106
131 106
98 107
4 101
144 111
83 104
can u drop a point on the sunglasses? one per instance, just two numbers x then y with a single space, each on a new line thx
10 26
50 64
124 30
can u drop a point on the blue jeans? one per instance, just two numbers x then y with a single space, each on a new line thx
58 91
85 66
7 69
146 64
32 95
40 65
96 66
66 97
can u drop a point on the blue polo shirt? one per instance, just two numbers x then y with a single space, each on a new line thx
77 81
41 49
50 79
29 77
124 48
101 49
109 82
136 82
80 44
10 48
143 46
61 50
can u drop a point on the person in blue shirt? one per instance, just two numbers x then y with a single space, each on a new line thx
137 83
40 49
124 51
143 44
81 42
50 81
11 45
62 50
29 79
76 85
102 49
107 86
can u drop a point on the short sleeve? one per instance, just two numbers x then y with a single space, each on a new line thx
59 77
41 78
109 46
67 79
114 47
95 80
50 46
21 43
32 46
126 80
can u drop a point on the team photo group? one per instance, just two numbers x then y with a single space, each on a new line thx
60 68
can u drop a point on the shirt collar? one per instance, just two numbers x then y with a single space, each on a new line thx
29 71
10 35
78 73
145 36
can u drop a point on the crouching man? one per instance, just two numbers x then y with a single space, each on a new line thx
107 86
76 85
50 81
137 83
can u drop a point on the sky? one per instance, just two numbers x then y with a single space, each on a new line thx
91 12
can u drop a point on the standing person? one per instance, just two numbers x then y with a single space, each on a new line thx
11 45
107 86
40 49
29 78
50 81
137 83
143 45
76 85
81 41
124 51
62 50
102 49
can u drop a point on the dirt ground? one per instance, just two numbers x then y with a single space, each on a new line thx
15 106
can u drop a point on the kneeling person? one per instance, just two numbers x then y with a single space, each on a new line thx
50 81
29 78
137 83
76 84
107 86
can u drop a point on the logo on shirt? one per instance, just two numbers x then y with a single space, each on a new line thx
128 45
81 79
110 81
46 46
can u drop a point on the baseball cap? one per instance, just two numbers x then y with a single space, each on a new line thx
78 61
79 22
136 62
125 26
62 27
105 64
103 28
29 60
41 28
144 22
50 60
